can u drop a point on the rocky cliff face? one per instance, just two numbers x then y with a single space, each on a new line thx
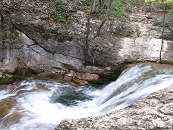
43 45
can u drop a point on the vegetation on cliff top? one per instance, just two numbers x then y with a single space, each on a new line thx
62 11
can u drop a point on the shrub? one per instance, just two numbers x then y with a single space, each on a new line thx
60 10
117 9
169 24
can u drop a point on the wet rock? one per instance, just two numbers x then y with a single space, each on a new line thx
5 79
78 75
49 75
13 118
80 82
81 78
42 87
68 78
90 77
5 107
153 112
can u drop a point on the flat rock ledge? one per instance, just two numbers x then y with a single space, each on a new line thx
152 113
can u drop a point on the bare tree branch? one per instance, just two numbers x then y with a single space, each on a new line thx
107 13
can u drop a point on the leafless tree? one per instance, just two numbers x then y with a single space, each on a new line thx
92 9
163 30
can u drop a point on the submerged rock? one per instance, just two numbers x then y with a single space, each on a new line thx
153 112
5 107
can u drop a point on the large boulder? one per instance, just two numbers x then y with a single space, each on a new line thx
151 113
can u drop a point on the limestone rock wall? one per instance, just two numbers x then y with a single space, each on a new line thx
43 48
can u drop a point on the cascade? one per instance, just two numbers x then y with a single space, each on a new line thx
41 105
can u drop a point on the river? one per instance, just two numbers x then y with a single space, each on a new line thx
41 105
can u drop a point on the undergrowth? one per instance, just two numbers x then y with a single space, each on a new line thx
168 24
60 10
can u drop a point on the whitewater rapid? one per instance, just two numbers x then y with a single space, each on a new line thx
41 105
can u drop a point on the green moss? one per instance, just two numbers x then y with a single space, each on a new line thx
44 33
4 80
167 62
17 18
117 10
22 73
27 10
60 10
29 73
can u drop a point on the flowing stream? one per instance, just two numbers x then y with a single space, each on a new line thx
41 105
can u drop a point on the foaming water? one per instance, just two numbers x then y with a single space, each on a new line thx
138 83
41 105
37 104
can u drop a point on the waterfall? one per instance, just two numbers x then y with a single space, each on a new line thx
133 84
41 105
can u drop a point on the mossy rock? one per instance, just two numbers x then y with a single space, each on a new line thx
23 73
5 79
167 62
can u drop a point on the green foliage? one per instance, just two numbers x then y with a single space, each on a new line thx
58 17
60 11
170 14
165 1
169 24
135 2
4 80
23 73
160 5
54 52
117 9
167 62
84 3
168 3
150 0
168 36
158 23
13 1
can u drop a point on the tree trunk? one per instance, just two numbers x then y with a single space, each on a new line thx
164 4
87 36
